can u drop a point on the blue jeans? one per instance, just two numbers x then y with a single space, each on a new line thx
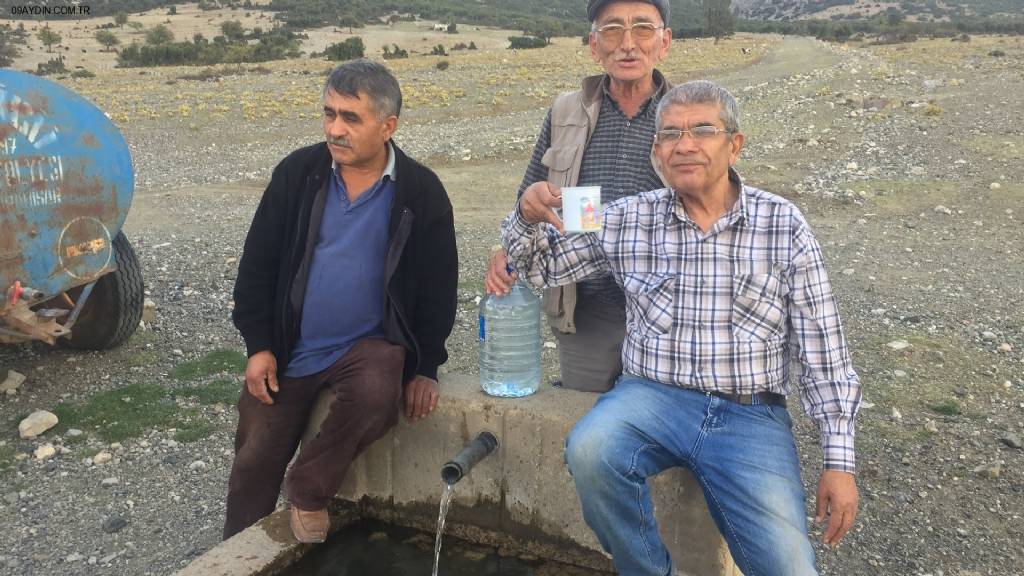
744 458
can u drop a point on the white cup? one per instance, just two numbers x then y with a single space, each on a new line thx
581 209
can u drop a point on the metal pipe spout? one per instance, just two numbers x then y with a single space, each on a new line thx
474 452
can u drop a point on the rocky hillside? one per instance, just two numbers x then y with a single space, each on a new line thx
913 9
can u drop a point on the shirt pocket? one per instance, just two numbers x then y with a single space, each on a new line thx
559 160
758 308
650 299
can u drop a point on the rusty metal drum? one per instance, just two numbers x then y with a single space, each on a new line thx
66 185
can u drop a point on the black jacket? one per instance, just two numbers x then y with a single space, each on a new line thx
421 267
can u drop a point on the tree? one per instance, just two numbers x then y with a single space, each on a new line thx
893 17
48 37
172 11
718 19
159 34
120 19
543 28
350 21
453 29
8 51
107 38
232 30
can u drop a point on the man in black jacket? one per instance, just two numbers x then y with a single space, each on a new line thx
347 282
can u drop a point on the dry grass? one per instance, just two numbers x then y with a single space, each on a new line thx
478 83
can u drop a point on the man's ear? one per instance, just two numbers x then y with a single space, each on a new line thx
736 145
666 43
390 126
592 42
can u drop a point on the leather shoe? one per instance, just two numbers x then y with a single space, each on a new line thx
309 527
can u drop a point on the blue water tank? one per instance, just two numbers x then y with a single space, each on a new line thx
66 184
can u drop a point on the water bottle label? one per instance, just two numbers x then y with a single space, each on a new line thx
483 332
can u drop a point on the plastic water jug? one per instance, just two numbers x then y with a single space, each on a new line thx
510 343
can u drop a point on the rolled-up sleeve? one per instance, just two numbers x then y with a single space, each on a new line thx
544 258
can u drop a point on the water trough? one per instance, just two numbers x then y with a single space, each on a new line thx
520 498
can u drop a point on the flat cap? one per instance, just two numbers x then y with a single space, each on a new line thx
595 6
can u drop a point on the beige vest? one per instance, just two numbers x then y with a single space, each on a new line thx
573 119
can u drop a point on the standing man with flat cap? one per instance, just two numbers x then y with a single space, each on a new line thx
600 135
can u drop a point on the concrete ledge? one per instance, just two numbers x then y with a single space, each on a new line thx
263 549
521 498
523 494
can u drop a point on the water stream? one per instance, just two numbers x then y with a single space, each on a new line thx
446 502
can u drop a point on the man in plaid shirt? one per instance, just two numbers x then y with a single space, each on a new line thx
724 283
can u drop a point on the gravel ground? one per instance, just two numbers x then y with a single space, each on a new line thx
906 159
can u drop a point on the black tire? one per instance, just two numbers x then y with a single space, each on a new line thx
114 309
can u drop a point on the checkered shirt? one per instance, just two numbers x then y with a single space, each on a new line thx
717 311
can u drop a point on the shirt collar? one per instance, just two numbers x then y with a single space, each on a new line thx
737 213
390 169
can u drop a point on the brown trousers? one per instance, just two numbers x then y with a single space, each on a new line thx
367 387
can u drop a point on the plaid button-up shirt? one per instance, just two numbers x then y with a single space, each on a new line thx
716 311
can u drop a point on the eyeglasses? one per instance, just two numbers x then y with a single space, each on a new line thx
612 34
698 133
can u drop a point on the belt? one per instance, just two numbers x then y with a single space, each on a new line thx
748 399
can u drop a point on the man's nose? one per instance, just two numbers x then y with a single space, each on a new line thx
628 42
687 143
336 127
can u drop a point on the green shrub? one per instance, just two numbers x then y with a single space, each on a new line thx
526 42
350 49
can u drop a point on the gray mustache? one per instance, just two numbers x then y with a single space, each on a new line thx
340 142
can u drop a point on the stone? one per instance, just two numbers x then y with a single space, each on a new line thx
1005 347
1011 440
114 523
197 466
899 345
11 383
931 426
899 373
45 452
148 311
990 471
851 166
988 336
550 345
171 459
995 186
73 432
848 271
942 210
896 415
38 422
75 557
107 482
102 458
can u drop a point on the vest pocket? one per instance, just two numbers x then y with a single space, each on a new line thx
559 160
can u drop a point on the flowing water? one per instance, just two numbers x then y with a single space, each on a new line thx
446 502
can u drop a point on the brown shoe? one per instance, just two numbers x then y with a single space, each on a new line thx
309 527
